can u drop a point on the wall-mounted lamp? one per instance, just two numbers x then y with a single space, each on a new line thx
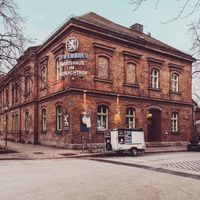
118 111
149 115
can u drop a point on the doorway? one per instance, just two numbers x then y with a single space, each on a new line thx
153 125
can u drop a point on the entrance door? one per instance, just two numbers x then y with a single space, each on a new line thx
154 125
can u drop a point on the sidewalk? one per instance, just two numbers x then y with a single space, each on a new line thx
29 151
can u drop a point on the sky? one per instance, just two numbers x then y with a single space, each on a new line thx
44 16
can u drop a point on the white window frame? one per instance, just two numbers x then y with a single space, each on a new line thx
43 77
130 118
174 122
59 118
175 80
44 122
102 121
60 69
154 78
27 121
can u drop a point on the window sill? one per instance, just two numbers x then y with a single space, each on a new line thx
175 133
131 85
103 80
102 131
58 132
155 89
173 92
43 132
15 132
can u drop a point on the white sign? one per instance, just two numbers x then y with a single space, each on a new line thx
197 122
71 63
73 73
88 122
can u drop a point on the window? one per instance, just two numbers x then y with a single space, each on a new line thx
154 78
16 92
15 122
60 69
1 103
13 94
174 122
103 67
130 118
44 125
43 77
26 85
131 73
102 120
175 82
59 118
7 97
26 121
7 121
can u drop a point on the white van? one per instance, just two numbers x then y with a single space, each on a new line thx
125 139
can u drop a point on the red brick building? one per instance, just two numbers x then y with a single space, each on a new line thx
91 75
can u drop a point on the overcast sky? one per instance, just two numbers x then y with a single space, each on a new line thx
44 16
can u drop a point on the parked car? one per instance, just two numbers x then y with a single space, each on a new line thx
194 143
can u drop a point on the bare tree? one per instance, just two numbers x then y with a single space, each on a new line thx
12 40
191 6
185 9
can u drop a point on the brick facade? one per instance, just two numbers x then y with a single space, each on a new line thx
118 63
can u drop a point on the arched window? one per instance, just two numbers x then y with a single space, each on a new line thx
13 94
130 118
7 96
27 125
131 73
174 122
15 122
43 77
27 86
59 118
16 92
60 69
44 122
154 78
103 67
102 121
175 80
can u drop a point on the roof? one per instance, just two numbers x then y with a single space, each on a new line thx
99 21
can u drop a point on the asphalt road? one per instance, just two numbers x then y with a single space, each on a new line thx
102 178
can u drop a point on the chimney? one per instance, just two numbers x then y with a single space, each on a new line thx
137 27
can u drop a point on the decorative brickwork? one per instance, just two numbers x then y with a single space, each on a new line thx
110 68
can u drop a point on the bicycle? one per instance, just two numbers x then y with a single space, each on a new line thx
85 146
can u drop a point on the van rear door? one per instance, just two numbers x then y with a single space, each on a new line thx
114 139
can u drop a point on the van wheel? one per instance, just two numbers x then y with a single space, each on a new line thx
108 146
134 151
